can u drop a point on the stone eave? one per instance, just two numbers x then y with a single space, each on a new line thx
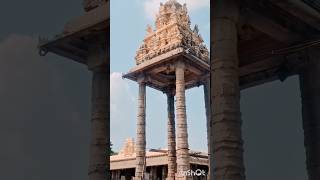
165 58
71 43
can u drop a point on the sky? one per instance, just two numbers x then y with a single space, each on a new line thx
45 101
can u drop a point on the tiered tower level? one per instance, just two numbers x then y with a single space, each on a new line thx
172 31
171 40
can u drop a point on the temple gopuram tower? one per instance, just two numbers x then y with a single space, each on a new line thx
85 40
171 59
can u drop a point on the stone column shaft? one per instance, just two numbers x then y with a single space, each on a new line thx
172 159
164 173
183 156
206 89
310 97
100 141
115 175
225 93
153 172
141 133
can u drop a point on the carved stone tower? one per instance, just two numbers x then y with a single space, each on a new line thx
171 59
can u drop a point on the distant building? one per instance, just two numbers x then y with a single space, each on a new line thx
123 164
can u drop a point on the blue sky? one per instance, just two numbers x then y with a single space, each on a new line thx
129 20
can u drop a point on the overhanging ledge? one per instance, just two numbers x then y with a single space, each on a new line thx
78 34
160 72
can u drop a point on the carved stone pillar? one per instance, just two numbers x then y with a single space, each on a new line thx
225 93
164 172
153 172
99 125
113 175
310 97
141 132
206 89
116 175
99 157
183 156
172 159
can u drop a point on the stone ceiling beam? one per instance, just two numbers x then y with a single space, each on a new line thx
269 27
271 69
300 10
157 70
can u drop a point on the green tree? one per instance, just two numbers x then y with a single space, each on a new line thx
111 151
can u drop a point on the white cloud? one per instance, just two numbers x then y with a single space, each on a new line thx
119 91
122 109
151 7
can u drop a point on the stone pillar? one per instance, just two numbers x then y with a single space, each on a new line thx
225 93
153 172
310 97
206 89
172 159
116 174
141 132
128 177
183 156
100 142
113 175
164 172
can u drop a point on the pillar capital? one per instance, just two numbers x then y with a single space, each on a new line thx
226 9
180 64
97 57
170 91
142 78
205 80
100 69
313 55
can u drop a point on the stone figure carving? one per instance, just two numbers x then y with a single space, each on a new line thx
149 29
